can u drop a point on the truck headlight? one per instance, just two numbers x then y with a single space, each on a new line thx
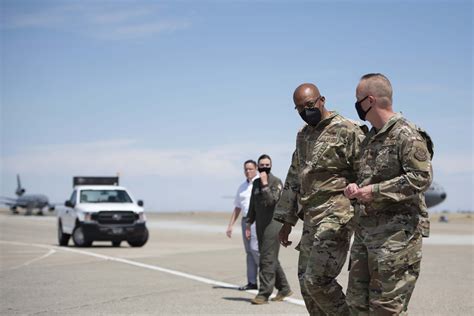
87 217
141 217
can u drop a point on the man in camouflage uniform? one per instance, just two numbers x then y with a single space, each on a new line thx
322 165
266 192
390 213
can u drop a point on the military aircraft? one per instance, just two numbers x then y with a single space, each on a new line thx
434 195
27 201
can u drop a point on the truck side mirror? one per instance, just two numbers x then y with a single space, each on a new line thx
68 204
140 203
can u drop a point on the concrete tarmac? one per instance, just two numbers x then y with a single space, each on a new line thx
189 267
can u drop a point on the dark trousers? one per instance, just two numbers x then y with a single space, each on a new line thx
271 274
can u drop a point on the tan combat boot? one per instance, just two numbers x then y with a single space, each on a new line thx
281 296
259 300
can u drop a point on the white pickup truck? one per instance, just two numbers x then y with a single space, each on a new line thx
101 210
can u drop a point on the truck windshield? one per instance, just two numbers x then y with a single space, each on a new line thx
105 196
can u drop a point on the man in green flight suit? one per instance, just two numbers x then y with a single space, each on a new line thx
322 166
390 213
266 192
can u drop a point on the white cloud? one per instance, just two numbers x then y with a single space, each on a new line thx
42 19
127 156
118 16
105 21
130 31
168 179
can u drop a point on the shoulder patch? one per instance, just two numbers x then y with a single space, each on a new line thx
429 142
420 154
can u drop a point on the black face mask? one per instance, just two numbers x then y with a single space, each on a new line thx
265 169
360 111
311 116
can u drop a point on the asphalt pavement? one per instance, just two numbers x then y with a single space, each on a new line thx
189 267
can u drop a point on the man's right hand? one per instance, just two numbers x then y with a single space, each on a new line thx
264 178
283 235
351 190
229 232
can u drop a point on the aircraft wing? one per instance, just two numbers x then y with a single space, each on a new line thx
52 205
8 202
4 198
11 202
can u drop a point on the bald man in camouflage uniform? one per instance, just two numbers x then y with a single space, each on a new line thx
390 213
322 165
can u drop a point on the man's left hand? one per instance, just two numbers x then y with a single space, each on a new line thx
284 233
248 233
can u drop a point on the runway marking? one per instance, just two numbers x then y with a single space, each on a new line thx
146 266
51 251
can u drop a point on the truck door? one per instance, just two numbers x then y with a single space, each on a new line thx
70 214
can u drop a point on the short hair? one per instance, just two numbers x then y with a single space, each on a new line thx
378 85
250 161
264 156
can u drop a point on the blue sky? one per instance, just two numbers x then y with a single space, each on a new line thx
175 95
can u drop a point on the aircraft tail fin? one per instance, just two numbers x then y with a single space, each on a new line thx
19 190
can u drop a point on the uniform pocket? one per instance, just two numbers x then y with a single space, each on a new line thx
387 158
307 239
424 227
399 271
318 150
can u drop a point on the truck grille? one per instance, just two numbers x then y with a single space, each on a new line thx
115 217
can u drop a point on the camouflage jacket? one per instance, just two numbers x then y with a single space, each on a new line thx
397 161
322 166
263 201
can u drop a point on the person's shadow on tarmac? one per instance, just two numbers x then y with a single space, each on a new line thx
235 299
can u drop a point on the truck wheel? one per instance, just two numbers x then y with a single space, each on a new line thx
63 238
139 242
79 238
116 243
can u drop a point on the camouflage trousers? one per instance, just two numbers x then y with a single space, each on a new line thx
323 251
385 264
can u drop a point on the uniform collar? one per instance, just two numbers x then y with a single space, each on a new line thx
253 179
388 125
326 121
